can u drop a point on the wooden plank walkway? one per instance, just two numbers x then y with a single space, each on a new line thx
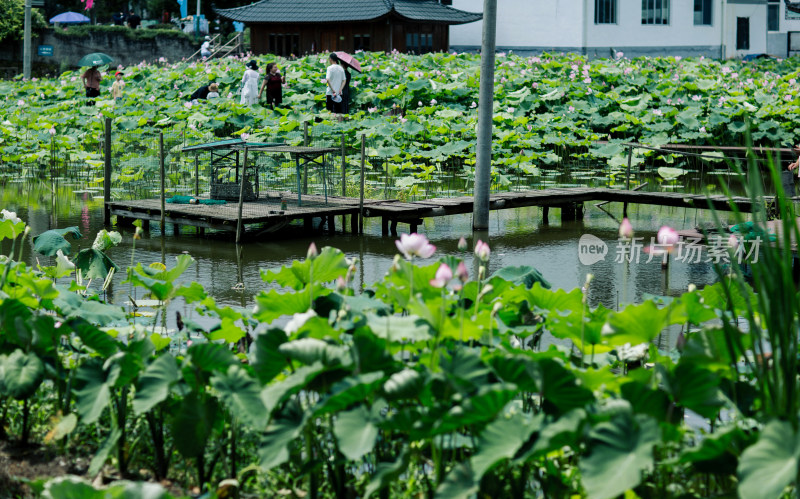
569 199
266 211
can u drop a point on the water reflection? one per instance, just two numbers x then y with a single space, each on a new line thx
231 273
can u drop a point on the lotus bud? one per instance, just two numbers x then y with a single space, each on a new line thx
482 251
625 229
692 288
312 252
462 244
442 277
486 289
481 272
137 234
26 231
733 242
341 284
462 273
497 306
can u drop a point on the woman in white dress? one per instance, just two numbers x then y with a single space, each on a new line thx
250 84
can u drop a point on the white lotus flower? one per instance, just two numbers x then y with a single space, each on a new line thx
63 265
298 320
10 215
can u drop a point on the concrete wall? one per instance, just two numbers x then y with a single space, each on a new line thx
124 50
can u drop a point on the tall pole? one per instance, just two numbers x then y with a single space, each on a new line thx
197 22
26 43
483 168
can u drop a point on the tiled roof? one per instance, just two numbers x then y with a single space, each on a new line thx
315 11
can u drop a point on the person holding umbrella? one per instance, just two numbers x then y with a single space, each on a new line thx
91 82
347 61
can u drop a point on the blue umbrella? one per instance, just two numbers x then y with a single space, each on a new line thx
70 18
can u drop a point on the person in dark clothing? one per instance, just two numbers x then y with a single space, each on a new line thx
134 20
273 83
202 92
119 19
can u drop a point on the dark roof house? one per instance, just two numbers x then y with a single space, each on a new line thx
286 27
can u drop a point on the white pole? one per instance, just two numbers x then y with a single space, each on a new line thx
26 43
483 167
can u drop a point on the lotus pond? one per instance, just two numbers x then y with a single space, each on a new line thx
357 367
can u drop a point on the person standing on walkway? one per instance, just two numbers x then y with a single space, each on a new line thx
335 80
91 82
273 83
250 84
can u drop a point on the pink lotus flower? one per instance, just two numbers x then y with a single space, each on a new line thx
411 245
733 242
372 109
625 229
482 251
667 236
473 105
571 109
462 244
442 277
702 129
433 102
462 273
52 131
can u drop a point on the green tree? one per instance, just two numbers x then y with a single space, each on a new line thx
12 22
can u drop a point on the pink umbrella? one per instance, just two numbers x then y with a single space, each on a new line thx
349 60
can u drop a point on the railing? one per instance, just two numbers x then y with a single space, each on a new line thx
224 50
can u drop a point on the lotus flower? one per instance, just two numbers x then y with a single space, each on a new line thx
462 244
312 252
411 245
667 236
443 275
625 229
462 273
482 251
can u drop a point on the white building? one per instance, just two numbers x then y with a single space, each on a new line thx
598 28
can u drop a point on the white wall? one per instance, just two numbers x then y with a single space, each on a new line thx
525 23
630 32
758 29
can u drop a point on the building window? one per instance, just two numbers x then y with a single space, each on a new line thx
702 12
773 15
605 11
742 33
419 43
284 44
361 42
655 11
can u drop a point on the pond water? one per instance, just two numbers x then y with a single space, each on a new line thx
231 273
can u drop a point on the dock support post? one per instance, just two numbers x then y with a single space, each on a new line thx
239 225
354 224
305 165
545 215
393 227
332 224
568 213
196 175
483 160
163 182
361 190
384 226
579 211
627 180
107 173
308 224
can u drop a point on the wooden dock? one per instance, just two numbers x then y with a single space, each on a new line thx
266 212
